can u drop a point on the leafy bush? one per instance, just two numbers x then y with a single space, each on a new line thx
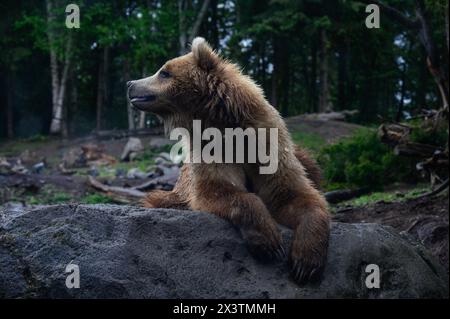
363 161
430 136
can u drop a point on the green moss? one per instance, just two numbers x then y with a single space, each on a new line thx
17 146
47 195
51 198
386 197
97 199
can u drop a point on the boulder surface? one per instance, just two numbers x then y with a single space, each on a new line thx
130 252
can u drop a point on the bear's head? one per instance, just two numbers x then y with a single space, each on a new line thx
198 85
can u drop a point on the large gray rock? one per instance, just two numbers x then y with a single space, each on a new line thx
131 252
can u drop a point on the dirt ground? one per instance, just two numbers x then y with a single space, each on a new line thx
51 150
425 219
330 131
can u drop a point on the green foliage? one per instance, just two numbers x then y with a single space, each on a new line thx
48 197
277 42
97 199
430 136
386 197
363 161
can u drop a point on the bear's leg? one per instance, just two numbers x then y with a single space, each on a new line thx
164 199
307 214
177 198
246 211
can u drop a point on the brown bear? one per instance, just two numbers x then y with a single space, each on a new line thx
202 85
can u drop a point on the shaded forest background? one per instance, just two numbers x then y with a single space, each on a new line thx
308 55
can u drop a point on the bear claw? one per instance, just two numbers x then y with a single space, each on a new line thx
304 272
267 254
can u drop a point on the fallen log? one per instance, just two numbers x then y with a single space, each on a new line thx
331 116
122 194
412 149
437 191
341 195
164 181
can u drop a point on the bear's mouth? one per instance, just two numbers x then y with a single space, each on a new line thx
143 99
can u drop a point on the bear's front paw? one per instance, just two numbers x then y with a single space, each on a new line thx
307 263
264 246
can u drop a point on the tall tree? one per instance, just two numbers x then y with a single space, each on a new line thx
421 24
59 69
189 30
325 104
102 86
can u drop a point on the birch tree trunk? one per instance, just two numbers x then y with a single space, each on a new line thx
186 35
59 79
130 110
142 115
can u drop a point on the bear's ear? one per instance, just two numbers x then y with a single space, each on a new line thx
205 57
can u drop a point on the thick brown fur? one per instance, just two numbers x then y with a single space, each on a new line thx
203 86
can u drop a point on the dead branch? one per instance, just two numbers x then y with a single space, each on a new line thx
437 191
338 196
165 180
117 193
412 149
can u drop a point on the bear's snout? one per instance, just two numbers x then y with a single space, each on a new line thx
139 94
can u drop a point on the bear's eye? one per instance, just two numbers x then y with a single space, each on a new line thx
164 74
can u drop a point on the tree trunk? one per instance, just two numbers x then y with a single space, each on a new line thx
55 126
187 35
275 71
343 76
421 87
401 103
73 105
433 61
421 24
59 81
325 104
446 27
9 104
130 110
182 37
142 114
280 74
102 85
65 121
214 31
313 88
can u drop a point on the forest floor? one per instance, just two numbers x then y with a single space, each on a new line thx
49 185
396 206
424 219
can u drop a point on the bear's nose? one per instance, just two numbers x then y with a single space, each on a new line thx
129 83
